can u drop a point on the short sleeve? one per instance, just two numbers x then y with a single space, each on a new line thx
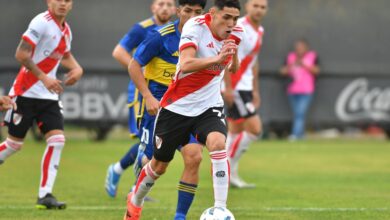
36 30
149 48
237 34
133 38
190 35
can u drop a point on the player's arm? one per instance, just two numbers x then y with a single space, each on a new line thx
256 92
23 56
190 63
75 70
121 55
235 64
131 40
146 51
228 93
7 103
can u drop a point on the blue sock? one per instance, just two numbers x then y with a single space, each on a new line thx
185 198
130 157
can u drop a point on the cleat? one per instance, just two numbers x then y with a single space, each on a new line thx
112 180
1 162
236 182
49 202
133 212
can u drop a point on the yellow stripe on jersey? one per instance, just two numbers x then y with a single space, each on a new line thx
160 71
175 54
147 23
168 32
170 26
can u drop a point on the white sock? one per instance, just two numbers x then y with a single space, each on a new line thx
144 184
9 147
221 175
118 168
230 140
240 146
50 162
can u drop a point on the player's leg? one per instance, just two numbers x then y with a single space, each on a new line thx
171 130
115 170
51 123
252 130
192 157
18 122
210 129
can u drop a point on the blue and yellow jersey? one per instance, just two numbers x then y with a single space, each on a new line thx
159 54
137 34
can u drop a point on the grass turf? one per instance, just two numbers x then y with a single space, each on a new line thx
338 179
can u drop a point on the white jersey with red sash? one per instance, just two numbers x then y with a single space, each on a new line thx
50 43
248 52
191 94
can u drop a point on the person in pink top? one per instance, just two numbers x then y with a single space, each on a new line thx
302 67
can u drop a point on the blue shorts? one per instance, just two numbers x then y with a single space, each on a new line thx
147 121
133 100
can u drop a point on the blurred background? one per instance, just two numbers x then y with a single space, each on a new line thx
351 37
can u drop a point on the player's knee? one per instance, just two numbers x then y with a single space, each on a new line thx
15 145
159 167
57 141
216 141
193 160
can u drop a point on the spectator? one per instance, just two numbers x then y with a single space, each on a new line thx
301 66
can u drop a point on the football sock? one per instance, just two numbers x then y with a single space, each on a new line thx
240 145
221 173
130 157
50 163
144 184
186 193
231 137
9 147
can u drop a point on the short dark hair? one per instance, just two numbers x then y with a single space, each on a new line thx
202 3
220 4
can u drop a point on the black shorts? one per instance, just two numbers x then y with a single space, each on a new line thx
243 106
173 130
46 113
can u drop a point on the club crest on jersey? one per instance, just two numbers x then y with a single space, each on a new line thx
17 118
158 142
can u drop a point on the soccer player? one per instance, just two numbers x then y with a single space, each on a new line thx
7 103
44 46
162 10
159 55
241 91
193 102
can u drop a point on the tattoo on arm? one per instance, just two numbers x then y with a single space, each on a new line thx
25 47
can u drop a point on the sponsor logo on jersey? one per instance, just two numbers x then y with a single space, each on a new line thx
34 33
210 45
187 37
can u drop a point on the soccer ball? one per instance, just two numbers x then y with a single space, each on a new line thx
217 213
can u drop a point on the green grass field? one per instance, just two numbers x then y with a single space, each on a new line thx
338 179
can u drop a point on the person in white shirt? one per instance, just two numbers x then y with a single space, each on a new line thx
241 92
44 46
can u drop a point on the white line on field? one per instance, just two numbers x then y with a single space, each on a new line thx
266 209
